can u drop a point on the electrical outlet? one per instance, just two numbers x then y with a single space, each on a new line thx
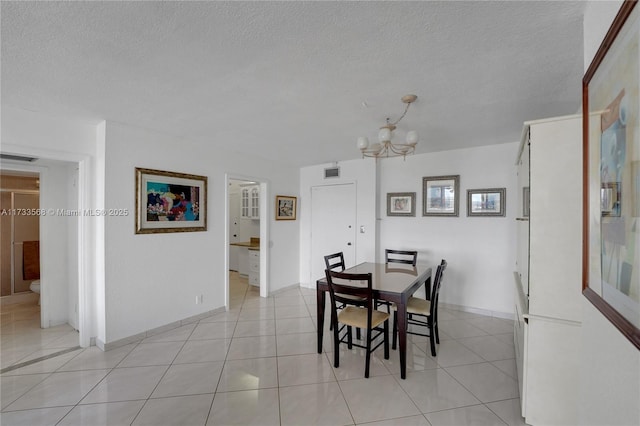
201 298
197 300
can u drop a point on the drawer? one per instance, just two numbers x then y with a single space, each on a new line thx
254 265
254 254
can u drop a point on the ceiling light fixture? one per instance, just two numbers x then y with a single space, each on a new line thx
386 148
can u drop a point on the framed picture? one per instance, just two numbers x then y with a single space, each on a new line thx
486 202
401 204
611 207
170 202
285 207
526 196
440 195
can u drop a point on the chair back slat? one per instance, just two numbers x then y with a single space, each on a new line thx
408 257
358 285
334 262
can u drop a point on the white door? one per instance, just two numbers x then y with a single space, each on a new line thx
333 225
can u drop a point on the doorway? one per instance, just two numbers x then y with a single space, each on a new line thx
246 229
333 223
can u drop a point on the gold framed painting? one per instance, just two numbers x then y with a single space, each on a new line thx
286 207
170 202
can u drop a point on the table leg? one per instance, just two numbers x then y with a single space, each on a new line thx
320 296
402 338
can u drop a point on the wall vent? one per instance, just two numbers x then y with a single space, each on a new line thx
17 158
332 172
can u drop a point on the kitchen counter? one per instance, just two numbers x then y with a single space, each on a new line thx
252 244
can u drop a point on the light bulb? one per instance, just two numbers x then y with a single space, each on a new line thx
363 142
384 135
412 137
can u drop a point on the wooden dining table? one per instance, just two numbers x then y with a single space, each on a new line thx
390 282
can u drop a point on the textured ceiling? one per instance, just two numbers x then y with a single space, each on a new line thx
297 81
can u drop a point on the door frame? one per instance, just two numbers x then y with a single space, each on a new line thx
264 232
88 260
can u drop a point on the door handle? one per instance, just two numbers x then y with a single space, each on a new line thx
348 244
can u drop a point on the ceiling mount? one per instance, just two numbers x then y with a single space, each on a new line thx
386 148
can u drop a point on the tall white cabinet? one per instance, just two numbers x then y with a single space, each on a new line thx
548 270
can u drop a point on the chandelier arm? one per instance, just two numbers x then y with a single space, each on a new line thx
402 116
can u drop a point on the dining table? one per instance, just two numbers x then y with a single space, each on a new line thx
390 282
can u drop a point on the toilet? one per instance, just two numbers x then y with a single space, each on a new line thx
35 287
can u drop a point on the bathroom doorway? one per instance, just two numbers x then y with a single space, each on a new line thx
20 237
39 276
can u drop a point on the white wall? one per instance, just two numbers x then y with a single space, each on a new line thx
151 280
480 251
610 364
361 172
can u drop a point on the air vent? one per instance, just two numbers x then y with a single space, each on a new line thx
17 158
332 172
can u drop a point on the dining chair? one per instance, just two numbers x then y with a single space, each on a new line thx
408 257
418 308
335 262
342 288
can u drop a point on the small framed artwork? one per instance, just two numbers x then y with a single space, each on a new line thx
440 195
401 204
285 207
486 202
611 201
170 202
526 196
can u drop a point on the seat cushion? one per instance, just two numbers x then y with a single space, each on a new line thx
419 306
357 317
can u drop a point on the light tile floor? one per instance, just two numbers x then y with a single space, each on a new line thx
257 365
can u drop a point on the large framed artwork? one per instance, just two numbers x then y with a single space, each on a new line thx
440 195
611 175
170 202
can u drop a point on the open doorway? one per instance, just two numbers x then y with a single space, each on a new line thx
246 234
40 277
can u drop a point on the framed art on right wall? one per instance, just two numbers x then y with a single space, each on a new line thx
611 175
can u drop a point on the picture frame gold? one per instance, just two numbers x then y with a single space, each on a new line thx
169 202
286 207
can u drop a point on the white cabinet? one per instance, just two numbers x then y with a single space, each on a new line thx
254 267
548 270
250 202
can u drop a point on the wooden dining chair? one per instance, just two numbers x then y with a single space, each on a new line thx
343 287
335 262
407 257
423 312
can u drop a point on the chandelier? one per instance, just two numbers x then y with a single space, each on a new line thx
386 148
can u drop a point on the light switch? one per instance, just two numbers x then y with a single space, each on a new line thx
362 229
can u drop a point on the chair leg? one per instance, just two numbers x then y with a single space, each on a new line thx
349 338
366 368
386 339
435 329
358 334
336 347
432 339
395 330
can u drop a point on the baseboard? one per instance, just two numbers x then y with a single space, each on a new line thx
136 338
478 311
287 288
